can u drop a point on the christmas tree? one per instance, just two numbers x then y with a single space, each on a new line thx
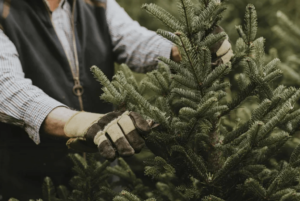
197 156
283 17
201 152
288 28
133 8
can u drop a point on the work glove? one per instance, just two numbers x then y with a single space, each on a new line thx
112 134
222 50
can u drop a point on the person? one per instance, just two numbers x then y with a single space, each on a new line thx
46 50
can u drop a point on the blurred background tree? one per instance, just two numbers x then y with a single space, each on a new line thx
275 45
280 42
266 19
133 8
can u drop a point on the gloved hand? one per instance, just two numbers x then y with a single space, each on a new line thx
221 51
110 133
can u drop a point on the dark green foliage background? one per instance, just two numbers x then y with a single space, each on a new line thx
267 10
254 50
275 45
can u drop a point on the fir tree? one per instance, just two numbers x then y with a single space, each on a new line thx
133 8
197 157
267 18
95 181
289 32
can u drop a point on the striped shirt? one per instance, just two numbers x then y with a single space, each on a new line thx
133 45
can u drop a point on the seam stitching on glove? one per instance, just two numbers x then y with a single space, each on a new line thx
97 138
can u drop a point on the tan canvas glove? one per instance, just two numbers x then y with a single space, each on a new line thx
114 132
221 51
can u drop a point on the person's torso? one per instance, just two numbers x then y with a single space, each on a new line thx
28 25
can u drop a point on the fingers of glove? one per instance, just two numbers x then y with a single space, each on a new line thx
216 63
226 58
81 145
116 135
104 121
92 132
140 123
136 141
100 125
105 147
217 30
225 48
131 134
113 124
214 48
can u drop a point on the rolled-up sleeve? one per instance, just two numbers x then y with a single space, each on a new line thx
133 44
18 97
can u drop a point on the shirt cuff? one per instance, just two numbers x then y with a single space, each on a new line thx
36 113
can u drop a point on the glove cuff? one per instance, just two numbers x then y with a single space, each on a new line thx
79 123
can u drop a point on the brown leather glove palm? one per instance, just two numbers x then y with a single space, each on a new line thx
114 132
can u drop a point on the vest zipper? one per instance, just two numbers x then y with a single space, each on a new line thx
77 86
77 89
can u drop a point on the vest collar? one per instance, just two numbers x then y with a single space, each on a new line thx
61 3
42 9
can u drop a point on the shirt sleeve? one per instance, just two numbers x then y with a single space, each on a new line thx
18 97
133 44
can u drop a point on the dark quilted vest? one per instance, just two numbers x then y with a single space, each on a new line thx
27 23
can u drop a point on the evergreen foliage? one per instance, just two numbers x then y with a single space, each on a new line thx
289 32
133 8
201 153
275 46
267 18
96 181
198 158
283 16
